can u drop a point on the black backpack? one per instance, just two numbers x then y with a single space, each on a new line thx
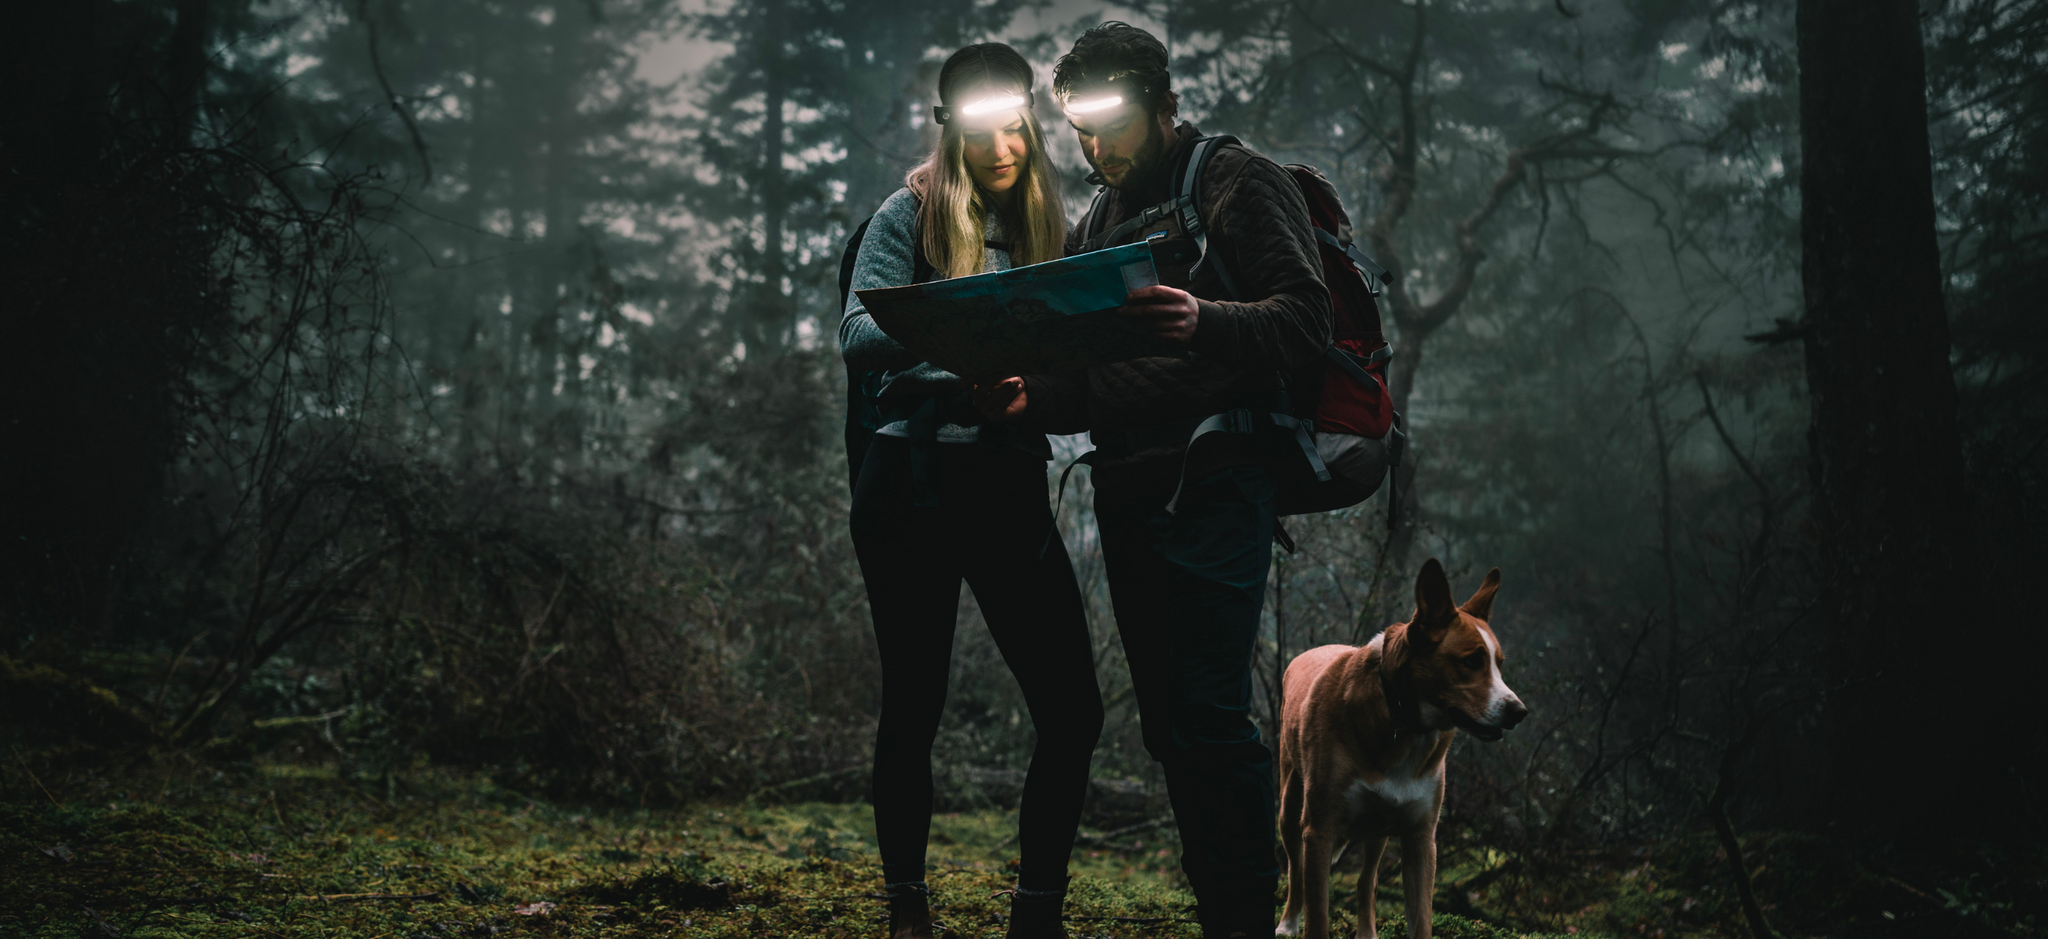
864 389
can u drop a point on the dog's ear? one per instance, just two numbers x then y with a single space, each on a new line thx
1434 608
1481 604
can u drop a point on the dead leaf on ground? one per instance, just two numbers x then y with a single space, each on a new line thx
59 851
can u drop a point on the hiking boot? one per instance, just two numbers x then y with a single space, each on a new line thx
910 914
1035 914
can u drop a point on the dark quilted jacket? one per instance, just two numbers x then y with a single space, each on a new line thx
1259 225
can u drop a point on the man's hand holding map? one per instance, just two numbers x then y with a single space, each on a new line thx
1049 317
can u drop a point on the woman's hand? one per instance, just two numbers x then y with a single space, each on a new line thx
1162 311
1001 402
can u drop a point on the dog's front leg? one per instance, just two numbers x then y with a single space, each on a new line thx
1369 887
1418 876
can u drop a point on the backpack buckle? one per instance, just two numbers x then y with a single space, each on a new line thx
1239 421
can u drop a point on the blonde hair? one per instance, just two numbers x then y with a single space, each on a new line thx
952 211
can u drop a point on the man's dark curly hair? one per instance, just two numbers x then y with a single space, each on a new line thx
1113 51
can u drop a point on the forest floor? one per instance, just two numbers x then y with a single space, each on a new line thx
185 849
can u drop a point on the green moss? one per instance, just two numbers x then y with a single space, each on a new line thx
184 852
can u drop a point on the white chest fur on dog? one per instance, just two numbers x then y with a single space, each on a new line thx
1406 790
1406 794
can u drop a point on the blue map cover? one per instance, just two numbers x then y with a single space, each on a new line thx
1050 317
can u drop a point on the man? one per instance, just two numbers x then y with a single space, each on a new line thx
1187 584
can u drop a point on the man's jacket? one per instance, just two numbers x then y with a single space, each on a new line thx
1280 321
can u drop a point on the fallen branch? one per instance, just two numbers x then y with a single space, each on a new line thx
268 723
1108 838
32 778
354 897
807 780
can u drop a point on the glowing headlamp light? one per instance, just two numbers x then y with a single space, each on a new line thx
998 103
989 105
1094 104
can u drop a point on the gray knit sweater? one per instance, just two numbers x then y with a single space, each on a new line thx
887 259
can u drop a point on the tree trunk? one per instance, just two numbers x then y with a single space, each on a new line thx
774 198
1889 498
185 70
562 412
1401 371
480 167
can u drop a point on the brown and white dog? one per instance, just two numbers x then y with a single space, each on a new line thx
1363 735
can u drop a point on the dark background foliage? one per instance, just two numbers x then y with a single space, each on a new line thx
394 382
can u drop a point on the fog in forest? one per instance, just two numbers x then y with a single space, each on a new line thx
399 384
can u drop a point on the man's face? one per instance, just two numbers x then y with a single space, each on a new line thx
1123 143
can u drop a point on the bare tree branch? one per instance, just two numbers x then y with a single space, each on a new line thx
419 143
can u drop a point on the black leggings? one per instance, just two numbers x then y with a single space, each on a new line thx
987 529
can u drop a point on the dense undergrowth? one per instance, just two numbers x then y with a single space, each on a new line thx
173 847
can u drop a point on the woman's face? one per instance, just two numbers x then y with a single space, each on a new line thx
996 151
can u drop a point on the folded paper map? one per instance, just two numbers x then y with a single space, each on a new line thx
1048 317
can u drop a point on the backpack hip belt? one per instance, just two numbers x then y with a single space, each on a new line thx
1248 423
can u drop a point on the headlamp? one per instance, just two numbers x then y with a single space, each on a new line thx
1094 104
1099 96
1008 101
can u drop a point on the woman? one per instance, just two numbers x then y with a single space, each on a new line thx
940 497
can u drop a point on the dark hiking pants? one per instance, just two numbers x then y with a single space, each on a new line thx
987 529
1187 588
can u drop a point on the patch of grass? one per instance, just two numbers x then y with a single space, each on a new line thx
182 851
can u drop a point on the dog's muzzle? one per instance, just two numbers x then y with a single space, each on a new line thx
1511 714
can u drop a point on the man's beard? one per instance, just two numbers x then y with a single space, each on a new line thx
1146 161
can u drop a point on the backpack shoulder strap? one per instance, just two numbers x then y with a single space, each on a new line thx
1189 185
1092 240
847 259
921 269
1094 215
1185 204
1375 275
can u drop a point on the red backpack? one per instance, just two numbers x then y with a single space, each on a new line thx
1344 426
1345 397
1360 406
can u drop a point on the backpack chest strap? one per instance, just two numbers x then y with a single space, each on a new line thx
1169 208
1185 208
